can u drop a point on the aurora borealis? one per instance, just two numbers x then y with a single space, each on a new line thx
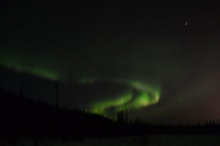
141 58
133 98
142 96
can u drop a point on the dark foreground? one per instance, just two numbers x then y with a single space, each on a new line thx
36 123
150 140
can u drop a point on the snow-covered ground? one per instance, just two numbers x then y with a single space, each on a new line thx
160 140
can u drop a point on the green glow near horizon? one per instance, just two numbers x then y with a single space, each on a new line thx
146 96
18 63
41 73
122 102
37 71
100 107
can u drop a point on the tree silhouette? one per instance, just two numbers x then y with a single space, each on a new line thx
22 90
126 116
121 116
69 88
57 93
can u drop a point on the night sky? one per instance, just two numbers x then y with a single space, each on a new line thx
159 60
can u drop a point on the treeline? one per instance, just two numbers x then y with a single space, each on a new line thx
22 117
143 127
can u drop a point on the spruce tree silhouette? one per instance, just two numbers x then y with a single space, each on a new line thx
22 90
126 117
120 116
70 82
57 93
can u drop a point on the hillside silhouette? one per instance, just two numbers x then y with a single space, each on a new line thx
22 117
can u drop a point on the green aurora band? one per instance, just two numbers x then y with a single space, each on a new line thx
37 71
17 63
138 96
